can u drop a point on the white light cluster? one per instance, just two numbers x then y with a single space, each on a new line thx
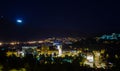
90 58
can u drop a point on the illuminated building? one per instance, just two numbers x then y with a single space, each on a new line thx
113 36
59 47
20 54
89 59
28 49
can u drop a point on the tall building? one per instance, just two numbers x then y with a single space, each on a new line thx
59 47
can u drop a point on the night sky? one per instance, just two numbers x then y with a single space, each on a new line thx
47 18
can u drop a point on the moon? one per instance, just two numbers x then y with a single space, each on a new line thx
19 21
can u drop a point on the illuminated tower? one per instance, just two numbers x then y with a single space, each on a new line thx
59 47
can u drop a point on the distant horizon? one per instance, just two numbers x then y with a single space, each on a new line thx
37 38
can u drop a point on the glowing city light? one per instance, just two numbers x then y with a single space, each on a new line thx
90 58
31 42
0 43
12 43
59 47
